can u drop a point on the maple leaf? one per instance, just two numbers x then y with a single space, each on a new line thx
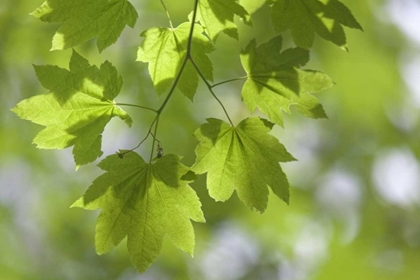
275 82
244 158
77 108
84 20
144 202
304 18
165 49
217 15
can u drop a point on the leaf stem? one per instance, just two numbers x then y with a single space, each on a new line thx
178 76
167 14
211 89
228 81
172 90
149 132
138 106
190 37
154 138
188 57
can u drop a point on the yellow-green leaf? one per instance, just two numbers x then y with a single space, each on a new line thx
165 49
304 18
217 15
143 202
275 81
84 20
244 158
77 108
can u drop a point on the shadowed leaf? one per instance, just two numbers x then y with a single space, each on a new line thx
84 20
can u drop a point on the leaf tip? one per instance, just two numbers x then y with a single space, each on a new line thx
78 203
14 110
58 42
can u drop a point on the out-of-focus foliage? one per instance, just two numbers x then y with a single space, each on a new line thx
355 187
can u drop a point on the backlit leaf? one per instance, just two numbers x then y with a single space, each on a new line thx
143 202
165 50
304 18
217 15
84 20
275 81
244 158
77 108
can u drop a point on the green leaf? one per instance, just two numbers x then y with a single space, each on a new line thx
275 83
84 20
217 15
77 108
144 202
165 49
252 5
304 18
244 158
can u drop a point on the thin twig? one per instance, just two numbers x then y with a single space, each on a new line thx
167 14
228 81
178 76
138 106
211 90
154 138
149 132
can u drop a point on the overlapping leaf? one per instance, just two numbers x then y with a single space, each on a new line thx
77 108
304 18
84 20
252 5
244 158
165 49
275 82
143 202
217 15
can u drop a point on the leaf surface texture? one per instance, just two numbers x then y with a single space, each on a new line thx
143 202
165 50
275 82
218 15
244 158
304 18
77 108
84 19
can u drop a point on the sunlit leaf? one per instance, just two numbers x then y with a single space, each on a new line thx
244 158
217 15
304 18
77 108
275 81
84 20
143 202
165 49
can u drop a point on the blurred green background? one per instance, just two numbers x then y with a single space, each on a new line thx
354 211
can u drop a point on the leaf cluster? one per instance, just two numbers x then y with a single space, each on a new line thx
144 201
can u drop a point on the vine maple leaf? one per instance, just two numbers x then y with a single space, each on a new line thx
217 15
84 20
275 82
304 18
77 108
165 49
244 158
143 202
